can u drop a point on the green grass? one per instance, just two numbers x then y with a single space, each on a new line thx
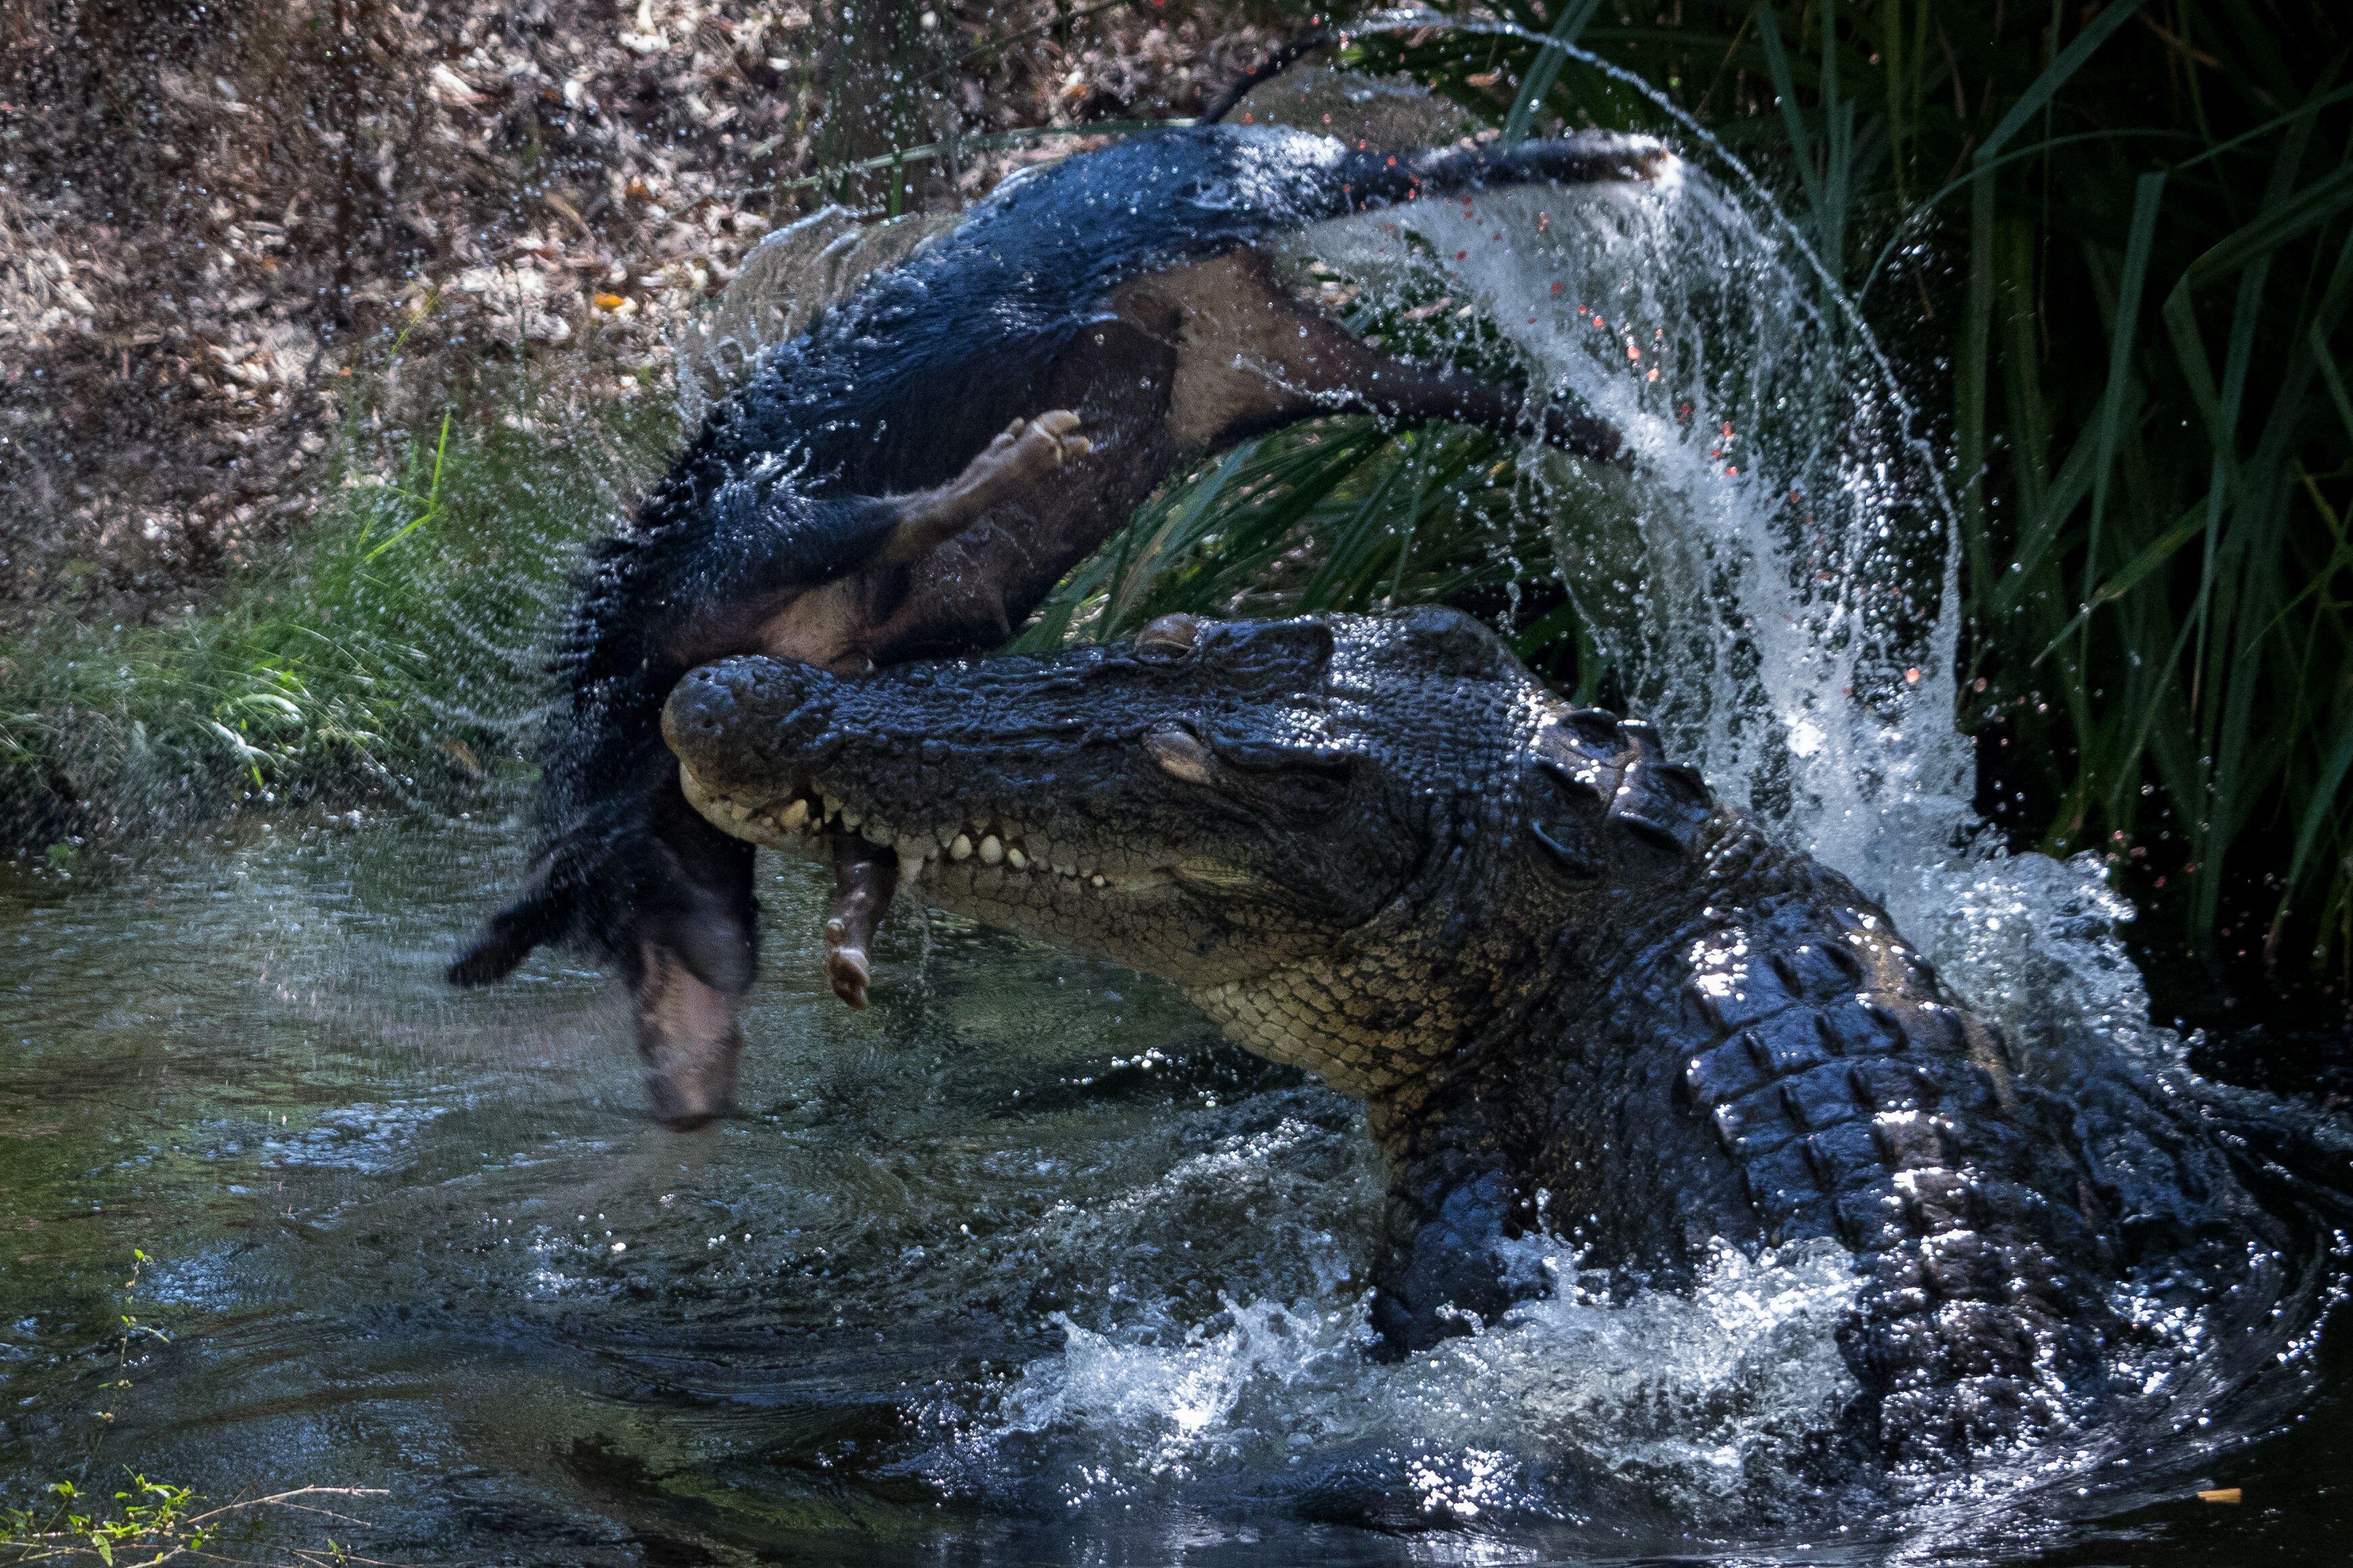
2115 247
393 651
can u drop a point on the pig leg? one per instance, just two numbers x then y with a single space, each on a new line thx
864 877
1253 359
1027 451
831 627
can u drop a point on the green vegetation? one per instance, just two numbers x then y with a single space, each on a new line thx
389 652
1338 516
2114 243
146 1521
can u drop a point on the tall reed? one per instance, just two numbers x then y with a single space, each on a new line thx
2114 243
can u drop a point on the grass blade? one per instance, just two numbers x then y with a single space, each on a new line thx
2148 194
2046 86
1573 18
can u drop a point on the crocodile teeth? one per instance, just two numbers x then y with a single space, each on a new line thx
992 845
791 818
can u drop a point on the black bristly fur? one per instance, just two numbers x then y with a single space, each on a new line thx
895 390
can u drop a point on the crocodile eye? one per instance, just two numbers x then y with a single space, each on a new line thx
1180 753
1170 636
1302 782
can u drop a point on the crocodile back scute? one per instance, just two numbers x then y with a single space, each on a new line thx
1652 813
1738 1049
1770 1047
1860 1099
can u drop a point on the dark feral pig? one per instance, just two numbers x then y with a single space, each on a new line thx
1577 995
911 477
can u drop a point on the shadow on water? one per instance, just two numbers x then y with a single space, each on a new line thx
1024 1265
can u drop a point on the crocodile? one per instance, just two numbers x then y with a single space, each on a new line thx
912 474
1578 994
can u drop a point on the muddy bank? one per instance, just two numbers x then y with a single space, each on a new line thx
218 222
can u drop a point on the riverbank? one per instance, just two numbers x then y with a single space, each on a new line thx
2154 631
329 331
387 651
216 220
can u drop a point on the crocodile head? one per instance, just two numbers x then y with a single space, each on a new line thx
1344 838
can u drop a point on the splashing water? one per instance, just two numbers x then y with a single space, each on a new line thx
1780 582
1756 579
1704 1400
1777 584
1776 581
952 1255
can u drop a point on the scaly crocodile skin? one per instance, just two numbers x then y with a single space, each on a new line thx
1577 992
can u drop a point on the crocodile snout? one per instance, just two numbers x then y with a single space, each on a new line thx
732 724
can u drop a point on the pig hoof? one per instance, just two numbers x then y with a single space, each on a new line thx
848 968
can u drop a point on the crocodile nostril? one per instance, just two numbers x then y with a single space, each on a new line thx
726 718
1174 632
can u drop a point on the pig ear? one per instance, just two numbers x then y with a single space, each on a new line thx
544 914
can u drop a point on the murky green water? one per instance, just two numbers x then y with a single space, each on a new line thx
1023 1265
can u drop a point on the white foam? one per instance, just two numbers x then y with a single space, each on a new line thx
1701 1398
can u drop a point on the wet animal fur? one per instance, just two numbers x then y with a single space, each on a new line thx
1122 284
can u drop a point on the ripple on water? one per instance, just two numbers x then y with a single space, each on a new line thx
426 1243
371 1139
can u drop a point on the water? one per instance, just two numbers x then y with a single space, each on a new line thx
1022 1265
1026 1265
